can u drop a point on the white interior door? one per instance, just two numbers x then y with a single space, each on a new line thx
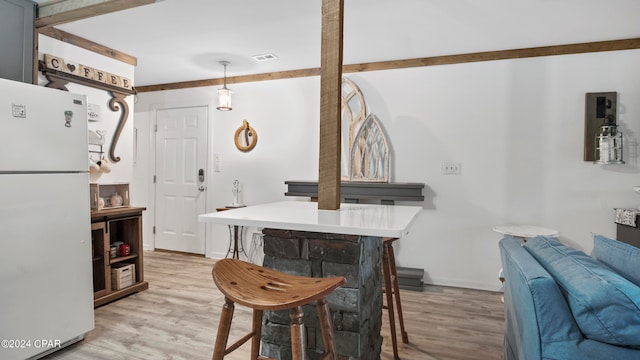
181 159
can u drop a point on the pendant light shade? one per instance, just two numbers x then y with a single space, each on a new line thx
224 99
224 94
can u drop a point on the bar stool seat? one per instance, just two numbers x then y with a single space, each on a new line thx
392 289
262 289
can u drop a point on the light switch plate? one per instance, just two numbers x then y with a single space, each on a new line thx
217 162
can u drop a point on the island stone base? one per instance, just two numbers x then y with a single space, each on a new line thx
356 307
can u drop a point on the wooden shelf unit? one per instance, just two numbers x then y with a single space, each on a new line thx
108 226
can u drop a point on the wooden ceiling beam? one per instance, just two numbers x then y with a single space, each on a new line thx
278 75
88 45
580 48
59 12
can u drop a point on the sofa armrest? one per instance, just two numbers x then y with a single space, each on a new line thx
536 313
538 321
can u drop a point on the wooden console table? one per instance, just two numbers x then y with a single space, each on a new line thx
108 226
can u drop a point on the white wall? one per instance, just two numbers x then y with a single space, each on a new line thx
284 114
515 125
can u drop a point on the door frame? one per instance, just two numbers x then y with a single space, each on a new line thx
153 123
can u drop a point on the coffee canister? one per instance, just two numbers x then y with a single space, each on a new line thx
124 249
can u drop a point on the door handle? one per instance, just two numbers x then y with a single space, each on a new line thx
202 188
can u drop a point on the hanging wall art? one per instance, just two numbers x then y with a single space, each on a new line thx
245 137
365 145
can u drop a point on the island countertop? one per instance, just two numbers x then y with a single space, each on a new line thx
353 219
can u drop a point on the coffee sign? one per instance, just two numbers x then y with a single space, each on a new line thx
87 72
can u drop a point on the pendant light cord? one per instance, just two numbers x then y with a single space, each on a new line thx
225 75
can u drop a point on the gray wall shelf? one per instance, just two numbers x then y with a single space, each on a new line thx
354 192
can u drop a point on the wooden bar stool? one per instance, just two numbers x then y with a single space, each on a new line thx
390 289
262 289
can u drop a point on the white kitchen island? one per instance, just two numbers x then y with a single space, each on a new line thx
352 219
302 240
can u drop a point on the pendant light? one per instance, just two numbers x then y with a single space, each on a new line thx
224 94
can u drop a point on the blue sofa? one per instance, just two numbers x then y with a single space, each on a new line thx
563 304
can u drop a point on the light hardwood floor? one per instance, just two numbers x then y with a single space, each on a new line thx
177 319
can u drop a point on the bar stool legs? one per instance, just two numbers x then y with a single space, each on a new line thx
396 291
223 329
298 339
257 332
326 327
262 289
392 290
298 334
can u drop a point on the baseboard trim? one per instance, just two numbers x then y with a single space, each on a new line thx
179 252
459 283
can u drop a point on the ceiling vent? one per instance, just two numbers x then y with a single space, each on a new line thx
264 57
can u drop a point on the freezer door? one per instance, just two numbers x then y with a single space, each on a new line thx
46 282
43 129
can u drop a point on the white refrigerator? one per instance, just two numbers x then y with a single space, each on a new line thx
46 281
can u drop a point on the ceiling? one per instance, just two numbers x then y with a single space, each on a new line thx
184 40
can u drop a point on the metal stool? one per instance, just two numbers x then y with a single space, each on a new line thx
391 288
262 289
236 234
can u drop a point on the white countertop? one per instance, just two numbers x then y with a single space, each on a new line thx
354 219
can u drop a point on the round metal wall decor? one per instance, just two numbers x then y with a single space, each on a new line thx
245 137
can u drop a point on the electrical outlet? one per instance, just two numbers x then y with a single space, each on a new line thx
451 168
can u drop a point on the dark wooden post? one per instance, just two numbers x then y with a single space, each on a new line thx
330 89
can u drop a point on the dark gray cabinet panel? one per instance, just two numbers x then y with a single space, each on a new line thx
17 22
628 234
353 192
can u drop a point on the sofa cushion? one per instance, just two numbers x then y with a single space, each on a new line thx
621 257
605 305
